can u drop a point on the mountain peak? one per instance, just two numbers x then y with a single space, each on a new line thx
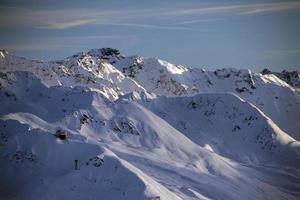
108 54
104 52
3 53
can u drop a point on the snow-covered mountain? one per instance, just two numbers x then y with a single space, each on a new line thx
292 78
277 99
82 69
99 125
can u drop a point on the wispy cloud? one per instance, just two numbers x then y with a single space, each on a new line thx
75 23
164 18
275 7
56 19
69 24
195 21
203 10
151 26
243 9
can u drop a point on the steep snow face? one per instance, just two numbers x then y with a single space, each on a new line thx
292 78
93 62
74 143
157 75
277 99
46 168
229 126
59 167
81 69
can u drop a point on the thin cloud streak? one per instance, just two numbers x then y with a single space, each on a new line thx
243 9
273 8
69 18
63 18
152 26
75 23
196 21
204 10
70 24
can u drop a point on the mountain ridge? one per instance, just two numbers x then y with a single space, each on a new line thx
109 72
97 125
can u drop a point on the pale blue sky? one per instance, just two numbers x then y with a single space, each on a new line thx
207 34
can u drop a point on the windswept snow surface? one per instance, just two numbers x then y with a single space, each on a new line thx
99 125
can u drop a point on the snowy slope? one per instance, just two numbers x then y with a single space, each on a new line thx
273 96
112 74
227 125
99 125
44 169
81 69
124 150
292 78
31 152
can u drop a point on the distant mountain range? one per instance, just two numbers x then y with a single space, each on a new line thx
101 125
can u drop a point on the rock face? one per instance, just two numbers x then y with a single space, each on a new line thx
292 78
100 125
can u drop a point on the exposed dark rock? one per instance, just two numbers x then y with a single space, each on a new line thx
292 78
61 134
